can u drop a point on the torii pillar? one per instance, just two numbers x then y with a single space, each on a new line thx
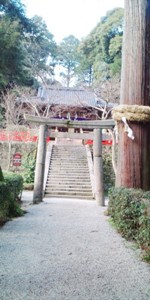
40 166
98 167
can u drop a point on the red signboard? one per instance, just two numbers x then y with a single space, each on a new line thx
17 159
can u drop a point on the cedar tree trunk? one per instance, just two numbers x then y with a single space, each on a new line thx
133 167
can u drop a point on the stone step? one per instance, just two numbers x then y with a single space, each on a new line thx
69 159
69 149
69 163
68 169
65 172
69 146
80 154
73 168
69 180
79 175
69 173
68 186
78 197
68 194
70 189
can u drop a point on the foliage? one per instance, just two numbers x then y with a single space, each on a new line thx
1 116
84 71
108 172
40 48
130 211
68 57
15 10
102 47
29 52
29 165
10 190
25 44
5 199
15 184
12 57
1 175
109 176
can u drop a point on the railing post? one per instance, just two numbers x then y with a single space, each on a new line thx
40 165
98 167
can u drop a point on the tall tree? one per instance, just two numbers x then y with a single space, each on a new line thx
26 46
12 54
102 47
134 155
13 25
41 48
15 10
68 57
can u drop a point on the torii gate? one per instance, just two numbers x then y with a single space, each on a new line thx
96 125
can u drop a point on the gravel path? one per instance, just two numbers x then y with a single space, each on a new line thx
65 249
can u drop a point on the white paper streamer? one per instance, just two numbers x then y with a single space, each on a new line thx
128 129
116 132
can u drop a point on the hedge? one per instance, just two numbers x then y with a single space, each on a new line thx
1 175
109 175
15 184
10 191
130 211
4 202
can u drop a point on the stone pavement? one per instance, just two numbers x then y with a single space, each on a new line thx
65 249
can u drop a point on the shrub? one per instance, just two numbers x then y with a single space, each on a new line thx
1 175
29 173
4 202
15 185
130 211
10 190
109 175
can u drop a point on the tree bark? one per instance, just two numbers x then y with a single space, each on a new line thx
133 167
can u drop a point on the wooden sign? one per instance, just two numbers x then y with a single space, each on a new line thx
17 159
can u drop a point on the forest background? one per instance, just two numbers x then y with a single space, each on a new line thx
31 57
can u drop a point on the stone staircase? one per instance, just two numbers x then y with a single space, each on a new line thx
68 174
